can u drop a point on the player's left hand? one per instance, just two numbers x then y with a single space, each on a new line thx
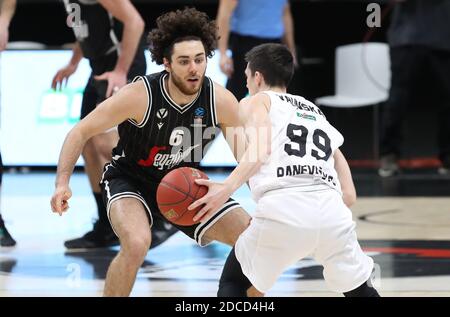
116 80
217 195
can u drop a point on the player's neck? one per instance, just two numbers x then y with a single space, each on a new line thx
177 95
273 88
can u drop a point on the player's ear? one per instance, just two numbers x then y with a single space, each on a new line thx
166 63
258 78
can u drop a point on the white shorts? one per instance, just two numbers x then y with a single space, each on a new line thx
289 225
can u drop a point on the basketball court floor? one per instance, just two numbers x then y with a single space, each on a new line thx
402 222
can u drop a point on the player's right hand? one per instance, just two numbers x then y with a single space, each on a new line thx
62 76
60 198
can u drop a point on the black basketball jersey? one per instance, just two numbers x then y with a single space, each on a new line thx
98 32
169 136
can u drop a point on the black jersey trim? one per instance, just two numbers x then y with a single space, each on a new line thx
127 195
149 103
174 105
203 227
212 103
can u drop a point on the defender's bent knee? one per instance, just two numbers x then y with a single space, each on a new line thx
229 227
135 249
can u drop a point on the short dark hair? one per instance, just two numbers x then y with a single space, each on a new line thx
181 25
274 61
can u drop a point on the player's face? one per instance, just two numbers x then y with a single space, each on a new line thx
252 85
188 66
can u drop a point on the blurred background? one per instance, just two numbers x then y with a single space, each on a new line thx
320 27
350 54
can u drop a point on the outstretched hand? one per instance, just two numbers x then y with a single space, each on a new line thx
60 198
217 195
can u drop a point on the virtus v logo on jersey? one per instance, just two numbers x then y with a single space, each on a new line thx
161 114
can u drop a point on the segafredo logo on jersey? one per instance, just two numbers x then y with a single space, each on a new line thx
167 160
191 145
183 147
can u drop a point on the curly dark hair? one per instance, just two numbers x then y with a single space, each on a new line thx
181 25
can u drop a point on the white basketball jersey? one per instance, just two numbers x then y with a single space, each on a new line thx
303 145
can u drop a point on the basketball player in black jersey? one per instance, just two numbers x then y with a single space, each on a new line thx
159 117
109 35
6 13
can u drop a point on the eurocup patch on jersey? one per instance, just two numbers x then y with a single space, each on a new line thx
199 113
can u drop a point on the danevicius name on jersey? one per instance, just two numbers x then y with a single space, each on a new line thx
293 170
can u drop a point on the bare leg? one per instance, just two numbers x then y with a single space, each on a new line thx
92 165
96 153
228 228
129 220
253 292
105 142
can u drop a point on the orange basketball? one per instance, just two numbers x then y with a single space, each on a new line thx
177 191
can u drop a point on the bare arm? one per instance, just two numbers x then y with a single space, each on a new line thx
130 102
133 27
62 76
226 8
228 115
345 178
133 24
258 132
288 36
8 7
77 54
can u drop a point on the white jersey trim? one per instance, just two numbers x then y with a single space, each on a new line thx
149 102
172 103
212 97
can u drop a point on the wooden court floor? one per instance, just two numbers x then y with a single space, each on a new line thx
408 237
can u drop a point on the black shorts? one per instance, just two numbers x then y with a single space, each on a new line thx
116 184
95 90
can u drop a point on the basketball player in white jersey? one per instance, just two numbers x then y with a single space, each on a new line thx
302 185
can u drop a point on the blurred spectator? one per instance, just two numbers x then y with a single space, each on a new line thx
245 24
419 39
110 36
6 13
